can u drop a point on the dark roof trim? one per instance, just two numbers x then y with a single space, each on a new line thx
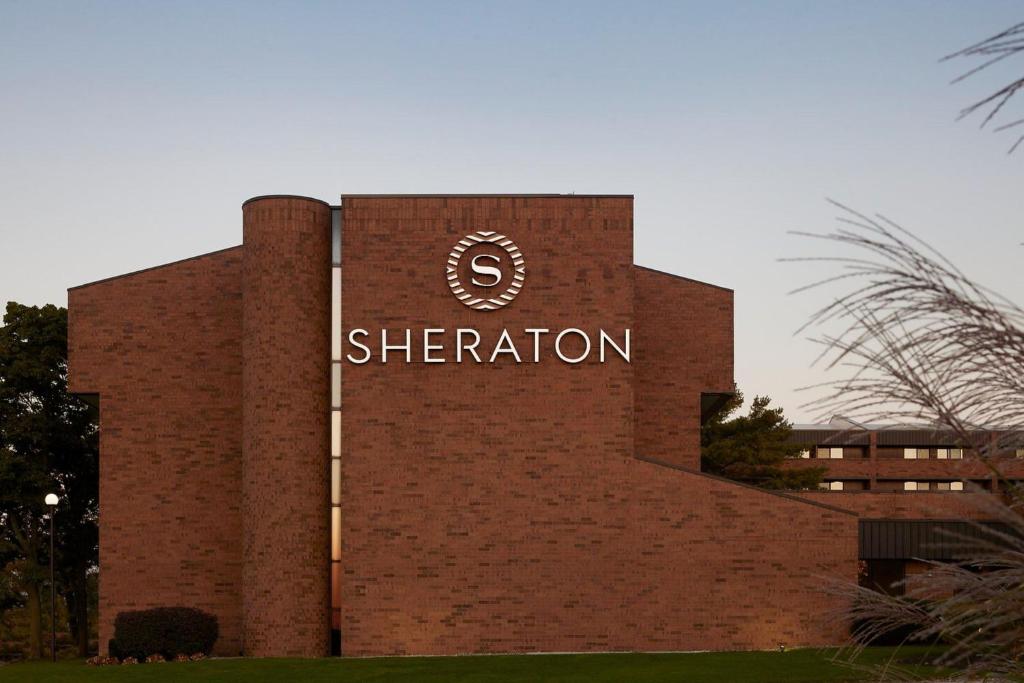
687 279
283 196
930 520
798 499
897 438
146 270
548 195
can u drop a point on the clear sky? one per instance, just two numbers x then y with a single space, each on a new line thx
131 132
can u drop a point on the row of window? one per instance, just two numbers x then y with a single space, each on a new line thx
836 453
824 453
907 486
937 453
933 486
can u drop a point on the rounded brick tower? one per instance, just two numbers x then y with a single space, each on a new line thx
286 267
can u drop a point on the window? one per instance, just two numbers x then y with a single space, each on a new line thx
956 454
910 486
1019 453
922 453
956 486
909 453
821 453
942 453
836 452
831 486
805 453
335 425
942 485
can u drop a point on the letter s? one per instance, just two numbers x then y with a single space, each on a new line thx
486 270
364 347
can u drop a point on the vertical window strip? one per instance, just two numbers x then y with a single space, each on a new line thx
336 314
335 426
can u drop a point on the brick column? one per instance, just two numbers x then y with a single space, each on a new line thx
285 432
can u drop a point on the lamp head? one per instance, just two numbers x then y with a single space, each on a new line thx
52 499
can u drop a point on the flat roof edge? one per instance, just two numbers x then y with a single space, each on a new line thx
284 196
146 270
513 195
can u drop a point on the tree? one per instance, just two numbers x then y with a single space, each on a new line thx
751 448
48 443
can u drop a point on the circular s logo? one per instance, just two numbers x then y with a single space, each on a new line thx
487 259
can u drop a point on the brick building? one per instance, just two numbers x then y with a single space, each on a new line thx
913 487
436 425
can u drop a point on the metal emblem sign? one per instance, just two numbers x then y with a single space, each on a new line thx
485 265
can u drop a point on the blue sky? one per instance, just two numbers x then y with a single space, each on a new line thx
130 133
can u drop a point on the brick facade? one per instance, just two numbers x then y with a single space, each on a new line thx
485 508
162 349
684 343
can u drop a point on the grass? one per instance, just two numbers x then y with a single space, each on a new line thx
705 667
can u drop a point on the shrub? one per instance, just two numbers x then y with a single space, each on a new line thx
167 631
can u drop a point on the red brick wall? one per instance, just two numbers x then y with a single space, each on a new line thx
910 505
499 508
161 348
473 496
684 346
719 565
285 382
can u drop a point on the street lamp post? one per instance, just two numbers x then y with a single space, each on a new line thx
51 501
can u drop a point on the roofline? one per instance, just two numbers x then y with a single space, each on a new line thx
936 429
931 520
789 496
284 196
146 270
681 277
514 195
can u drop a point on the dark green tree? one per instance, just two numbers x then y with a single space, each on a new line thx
48 443
751 448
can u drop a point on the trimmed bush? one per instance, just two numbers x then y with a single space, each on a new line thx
167 631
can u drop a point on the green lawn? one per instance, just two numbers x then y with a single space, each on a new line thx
711 667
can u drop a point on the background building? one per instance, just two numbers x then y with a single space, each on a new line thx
917 490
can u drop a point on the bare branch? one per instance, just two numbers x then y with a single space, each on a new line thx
1005 44
915 340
